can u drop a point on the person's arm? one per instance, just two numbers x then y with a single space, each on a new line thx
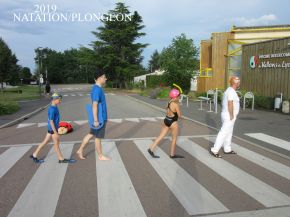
177 107
53 127
231 109
95 113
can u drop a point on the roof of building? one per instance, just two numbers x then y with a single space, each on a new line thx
260 28
267 41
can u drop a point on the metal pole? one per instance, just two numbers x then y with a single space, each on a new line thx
216 100
39 77
87 73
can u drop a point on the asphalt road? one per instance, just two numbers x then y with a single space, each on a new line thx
253 183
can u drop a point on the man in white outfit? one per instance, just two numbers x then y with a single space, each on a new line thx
230 110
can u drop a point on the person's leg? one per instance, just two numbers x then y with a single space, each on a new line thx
85 141
55 138
41 145
223 133
174 132
163 132
228 139
99 149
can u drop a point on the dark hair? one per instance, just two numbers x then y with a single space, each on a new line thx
99 72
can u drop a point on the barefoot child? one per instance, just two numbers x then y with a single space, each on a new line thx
52 127
98 99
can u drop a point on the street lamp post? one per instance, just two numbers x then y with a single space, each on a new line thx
39 68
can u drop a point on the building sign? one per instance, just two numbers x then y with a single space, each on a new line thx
254 62
278 60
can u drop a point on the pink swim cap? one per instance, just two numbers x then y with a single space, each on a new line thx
174 93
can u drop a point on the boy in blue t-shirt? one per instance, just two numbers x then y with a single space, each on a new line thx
98 99
52 127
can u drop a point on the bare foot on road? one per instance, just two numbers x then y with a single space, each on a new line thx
80 155
103 158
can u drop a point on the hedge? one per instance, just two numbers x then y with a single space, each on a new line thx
8 108
153 81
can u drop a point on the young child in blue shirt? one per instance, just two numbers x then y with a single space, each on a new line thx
52 127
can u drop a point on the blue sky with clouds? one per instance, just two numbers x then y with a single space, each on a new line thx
164 19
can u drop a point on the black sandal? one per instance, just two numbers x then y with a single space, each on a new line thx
176 156
216 155
231 152
67 161
152 153
36 160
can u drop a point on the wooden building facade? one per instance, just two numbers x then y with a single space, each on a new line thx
221 56
266 67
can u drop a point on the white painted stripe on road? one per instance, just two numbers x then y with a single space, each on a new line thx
271 140
42 124
277 212
148 119
65 95
116 120
25 125
161 118
133 119
82 122
263 161
41 195
9 158
73 95
105 140
260 191
192 195
116 193
88 94
80 94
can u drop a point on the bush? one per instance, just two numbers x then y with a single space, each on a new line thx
164 93
264 102
198 94
153 81
136 85
8 108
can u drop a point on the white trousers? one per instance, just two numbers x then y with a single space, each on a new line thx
224 137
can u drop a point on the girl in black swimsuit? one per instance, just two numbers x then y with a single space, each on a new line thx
170 124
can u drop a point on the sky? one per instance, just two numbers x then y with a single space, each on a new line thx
163 20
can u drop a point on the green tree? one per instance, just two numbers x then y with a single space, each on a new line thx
25 75
116 48
154 62
87 63
179 60
5 61
14 71
9 69
69 66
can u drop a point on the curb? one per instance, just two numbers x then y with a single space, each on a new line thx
205 125
18 120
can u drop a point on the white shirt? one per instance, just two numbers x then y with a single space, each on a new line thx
231 95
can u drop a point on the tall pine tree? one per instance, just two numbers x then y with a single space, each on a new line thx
154 62
116 48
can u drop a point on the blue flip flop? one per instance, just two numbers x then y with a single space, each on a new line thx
67 161
36 160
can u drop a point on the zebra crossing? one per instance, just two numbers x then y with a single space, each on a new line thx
271 140
134 184
82 122
70 89
83 94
